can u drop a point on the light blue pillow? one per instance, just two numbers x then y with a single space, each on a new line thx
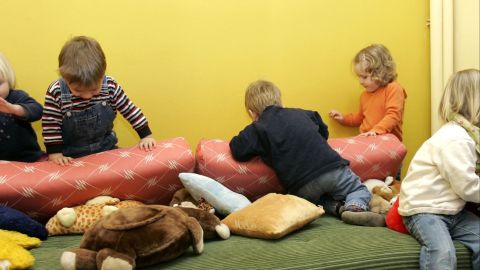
221 198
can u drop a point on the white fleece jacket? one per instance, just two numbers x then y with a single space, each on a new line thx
441 177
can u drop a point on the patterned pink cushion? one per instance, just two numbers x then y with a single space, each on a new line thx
252 178
40 189
370 157
373 157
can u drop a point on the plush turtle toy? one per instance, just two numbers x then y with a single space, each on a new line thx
141 236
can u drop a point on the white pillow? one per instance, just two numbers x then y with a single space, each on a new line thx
221 198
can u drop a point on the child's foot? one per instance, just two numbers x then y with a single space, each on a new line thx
353 208
363 218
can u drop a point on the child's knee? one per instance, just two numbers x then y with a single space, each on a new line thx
446 257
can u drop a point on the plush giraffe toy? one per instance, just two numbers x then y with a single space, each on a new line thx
76 220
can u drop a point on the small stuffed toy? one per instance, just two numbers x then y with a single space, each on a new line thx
384 194
184 199
389 192
379 205
76 220
141 236
13 250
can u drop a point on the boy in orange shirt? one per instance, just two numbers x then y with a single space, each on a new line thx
382 103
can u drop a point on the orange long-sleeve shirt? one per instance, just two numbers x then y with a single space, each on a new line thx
380 111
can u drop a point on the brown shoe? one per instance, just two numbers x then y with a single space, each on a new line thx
364 218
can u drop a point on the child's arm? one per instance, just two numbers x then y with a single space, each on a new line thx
21 105
457 165
13 109
350 119
353 119
132 114
52 126
246 144
394 104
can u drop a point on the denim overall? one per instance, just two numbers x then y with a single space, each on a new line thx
89 131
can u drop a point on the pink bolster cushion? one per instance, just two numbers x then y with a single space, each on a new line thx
40 189
252 178
370 158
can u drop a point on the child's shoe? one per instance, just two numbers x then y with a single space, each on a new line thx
363 218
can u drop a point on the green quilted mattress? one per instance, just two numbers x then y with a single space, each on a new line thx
327 243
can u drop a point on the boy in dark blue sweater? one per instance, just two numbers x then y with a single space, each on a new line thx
294 143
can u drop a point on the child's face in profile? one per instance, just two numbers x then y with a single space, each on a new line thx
85 92
365 79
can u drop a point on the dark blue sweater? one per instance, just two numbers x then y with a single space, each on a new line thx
18 141
291 141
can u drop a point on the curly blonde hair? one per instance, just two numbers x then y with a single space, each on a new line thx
377 61
261 94
462 96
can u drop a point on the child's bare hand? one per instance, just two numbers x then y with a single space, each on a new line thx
336 115
148 143
369 133
7 107
60 159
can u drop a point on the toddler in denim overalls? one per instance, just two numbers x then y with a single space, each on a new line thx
88 131
82 105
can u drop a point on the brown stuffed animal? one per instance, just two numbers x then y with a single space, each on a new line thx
384 194
208 221
141 236
184 199
379 205
389 192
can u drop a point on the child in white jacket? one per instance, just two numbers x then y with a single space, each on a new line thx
443 176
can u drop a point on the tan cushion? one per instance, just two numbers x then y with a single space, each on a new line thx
273 216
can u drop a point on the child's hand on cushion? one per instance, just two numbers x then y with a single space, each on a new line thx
369 133
60 159
148 143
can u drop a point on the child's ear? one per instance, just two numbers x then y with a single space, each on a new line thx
253 115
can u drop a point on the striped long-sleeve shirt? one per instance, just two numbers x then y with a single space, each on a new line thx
114 95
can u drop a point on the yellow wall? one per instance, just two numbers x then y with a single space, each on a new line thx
186 63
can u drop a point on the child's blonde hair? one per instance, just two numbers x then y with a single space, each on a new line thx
377 61
82 61
6 71
462 96
261 94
